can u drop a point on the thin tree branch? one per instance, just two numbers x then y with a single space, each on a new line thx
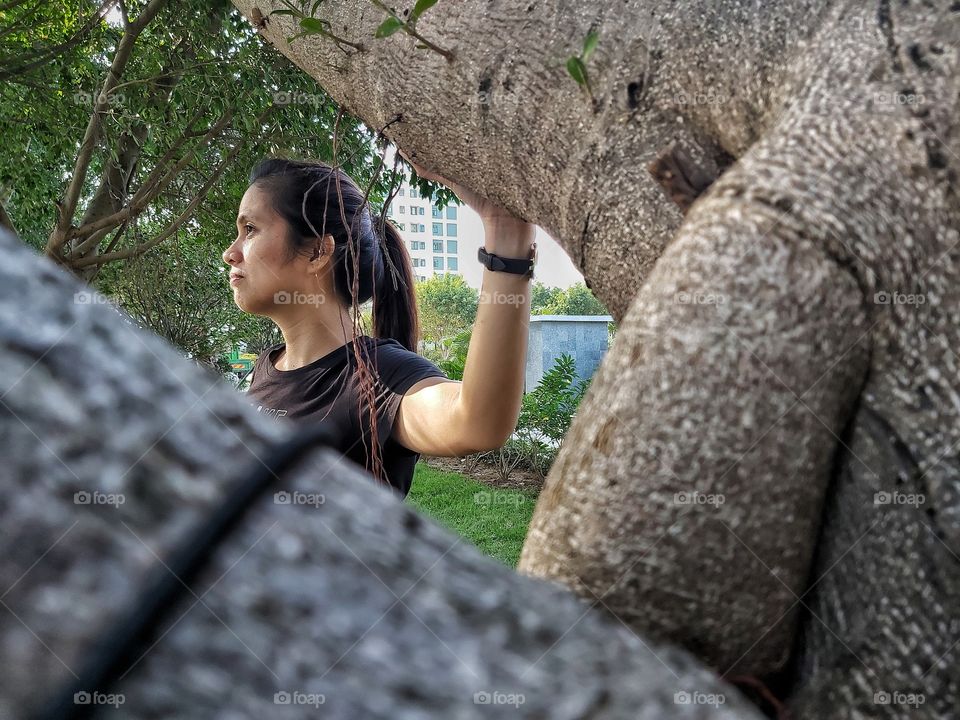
68 208
182 218
147 194
6 221
11 5
63 47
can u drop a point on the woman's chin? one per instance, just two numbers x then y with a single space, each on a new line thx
241 302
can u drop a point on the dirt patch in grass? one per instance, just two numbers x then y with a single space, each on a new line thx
520 479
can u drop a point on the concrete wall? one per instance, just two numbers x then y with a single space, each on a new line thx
584 337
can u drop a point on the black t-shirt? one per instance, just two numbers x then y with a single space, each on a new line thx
328 390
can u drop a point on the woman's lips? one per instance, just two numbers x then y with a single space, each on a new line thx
235 279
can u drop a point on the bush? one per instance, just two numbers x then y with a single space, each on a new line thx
550 407
456 348
545 417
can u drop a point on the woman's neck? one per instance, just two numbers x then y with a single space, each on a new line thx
304 344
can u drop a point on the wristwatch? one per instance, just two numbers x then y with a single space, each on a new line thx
517 266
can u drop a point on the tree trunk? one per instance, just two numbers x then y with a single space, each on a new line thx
789 355
117 446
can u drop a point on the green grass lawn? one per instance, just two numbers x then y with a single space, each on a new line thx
492 519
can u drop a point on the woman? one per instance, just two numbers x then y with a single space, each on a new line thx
308 254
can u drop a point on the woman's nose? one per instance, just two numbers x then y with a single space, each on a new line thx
230 255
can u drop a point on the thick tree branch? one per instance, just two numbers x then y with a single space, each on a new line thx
348 586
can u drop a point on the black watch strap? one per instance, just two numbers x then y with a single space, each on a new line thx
518 266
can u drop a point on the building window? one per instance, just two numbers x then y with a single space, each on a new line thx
401 192
437 213
403 210
452 246
413 193
438 246
451 230
451 212
438 228
438 263
451 263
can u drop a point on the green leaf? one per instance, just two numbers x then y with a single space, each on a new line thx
576 68
421 7
313 26
389 27
282 12
589 44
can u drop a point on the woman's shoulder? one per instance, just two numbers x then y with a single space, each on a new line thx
398 367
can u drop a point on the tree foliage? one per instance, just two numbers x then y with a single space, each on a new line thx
199 99
575 300
447 307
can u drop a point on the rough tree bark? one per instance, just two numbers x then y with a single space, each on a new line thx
779 408
351 596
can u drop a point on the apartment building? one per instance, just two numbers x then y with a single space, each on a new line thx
446 241
432 235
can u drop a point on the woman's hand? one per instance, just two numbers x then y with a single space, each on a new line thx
497 220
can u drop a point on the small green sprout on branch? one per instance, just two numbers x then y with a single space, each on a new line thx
409 25
577 64
310 25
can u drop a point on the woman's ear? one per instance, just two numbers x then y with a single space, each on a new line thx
321 253
329 245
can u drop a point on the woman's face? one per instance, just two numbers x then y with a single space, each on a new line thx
258 257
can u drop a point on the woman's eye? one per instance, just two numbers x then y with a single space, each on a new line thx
249 228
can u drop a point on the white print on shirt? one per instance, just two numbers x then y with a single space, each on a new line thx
272 412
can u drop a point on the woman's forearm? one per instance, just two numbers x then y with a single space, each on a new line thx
493 377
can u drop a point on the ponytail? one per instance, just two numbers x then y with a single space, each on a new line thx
394 302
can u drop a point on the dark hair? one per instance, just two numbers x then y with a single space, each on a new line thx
370 259
317 200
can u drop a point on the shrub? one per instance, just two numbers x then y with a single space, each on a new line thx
545 417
